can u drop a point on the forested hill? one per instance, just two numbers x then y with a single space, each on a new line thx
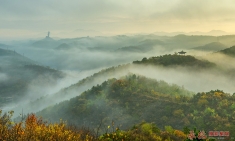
98 78
19 72
174 60
126 101
11 58
133 99
229 51
74 90
4 52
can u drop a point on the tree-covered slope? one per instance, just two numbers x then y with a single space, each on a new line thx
176 60
12 58
229 51
113 72
19 79
73 90
19 72
126 101
134 98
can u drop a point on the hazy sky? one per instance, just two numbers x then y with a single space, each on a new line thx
33 18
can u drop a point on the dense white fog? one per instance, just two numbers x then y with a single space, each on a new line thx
67 61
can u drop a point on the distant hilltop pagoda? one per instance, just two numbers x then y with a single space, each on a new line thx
48 34
182 52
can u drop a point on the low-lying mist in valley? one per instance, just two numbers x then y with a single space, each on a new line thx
198 80
85 61
224 61
67 88
80 60
3 77
156 69
87 53
44 85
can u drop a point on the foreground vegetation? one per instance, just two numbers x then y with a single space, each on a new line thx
129 101
36 129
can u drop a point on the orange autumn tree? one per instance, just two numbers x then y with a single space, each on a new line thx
36 129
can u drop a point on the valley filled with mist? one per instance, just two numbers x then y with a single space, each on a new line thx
108 70
126 79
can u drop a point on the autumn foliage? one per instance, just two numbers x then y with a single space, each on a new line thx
35 129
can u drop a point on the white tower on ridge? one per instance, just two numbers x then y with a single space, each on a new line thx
48 35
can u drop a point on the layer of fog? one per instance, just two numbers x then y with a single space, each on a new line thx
85 58
197 81
81 62
202 80
224 61
194 80
3 77
46 85
32 105
87 53
39 87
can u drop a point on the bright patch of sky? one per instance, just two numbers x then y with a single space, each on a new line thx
72 18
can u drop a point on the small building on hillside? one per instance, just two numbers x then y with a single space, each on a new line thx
182 52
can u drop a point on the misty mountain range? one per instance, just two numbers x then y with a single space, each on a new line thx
80 78
102 70
210 33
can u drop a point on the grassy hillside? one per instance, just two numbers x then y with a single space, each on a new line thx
176 60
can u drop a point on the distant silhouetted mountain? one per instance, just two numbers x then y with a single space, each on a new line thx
217 32
143 46
135 49
214 46
211 33
63 46
46 43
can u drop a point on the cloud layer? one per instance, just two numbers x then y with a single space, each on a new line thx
30 18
